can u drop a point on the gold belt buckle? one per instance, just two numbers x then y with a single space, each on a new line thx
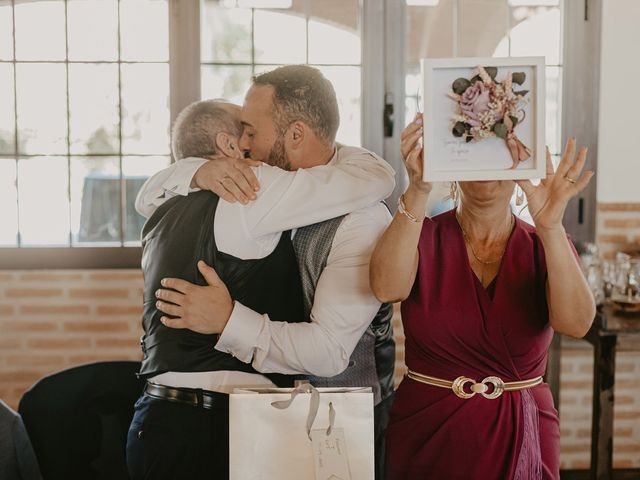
481 388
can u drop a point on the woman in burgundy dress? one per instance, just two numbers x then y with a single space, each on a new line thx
482 293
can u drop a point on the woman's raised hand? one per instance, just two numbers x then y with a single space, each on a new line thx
412 154
548 200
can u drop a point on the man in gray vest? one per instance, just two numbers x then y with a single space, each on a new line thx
290 120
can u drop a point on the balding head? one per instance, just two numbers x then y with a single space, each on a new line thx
196 129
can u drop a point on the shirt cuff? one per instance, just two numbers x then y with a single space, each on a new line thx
239 338
179 182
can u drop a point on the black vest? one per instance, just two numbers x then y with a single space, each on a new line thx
174 238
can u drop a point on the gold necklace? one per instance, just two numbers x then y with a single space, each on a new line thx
473 252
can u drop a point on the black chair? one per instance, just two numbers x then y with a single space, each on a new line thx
78 420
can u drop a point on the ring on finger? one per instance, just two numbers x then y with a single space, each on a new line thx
569 179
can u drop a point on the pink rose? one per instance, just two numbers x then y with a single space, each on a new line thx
474 101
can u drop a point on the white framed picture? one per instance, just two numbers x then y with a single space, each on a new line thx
484 118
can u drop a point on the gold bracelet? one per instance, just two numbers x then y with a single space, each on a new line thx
403 210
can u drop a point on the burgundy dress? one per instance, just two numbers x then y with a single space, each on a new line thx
454 327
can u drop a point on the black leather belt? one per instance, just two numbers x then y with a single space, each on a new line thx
191 396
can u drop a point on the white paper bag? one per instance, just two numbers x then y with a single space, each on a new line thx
266 442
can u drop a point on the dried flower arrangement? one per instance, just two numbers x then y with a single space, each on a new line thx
488 108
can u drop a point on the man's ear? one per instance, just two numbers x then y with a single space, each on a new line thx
297 133
228 145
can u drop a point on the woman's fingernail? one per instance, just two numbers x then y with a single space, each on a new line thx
417 147
420 131
419 121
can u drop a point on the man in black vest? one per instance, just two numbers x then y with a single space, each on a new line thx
290 119
180 427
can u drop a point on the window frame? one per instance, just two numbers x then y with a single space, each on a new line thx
184 88
382 82
78 256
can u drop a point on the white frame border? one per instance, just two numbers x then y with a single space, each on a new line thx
539 170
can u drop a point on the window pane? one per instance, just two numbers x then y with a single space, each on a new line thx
430 32
481 26
43 201
226 33
6 32
144 30
40 30
145 108
136 170
334 32
535 31
517 3
411 107
333 44
95 200
96 20
42 108
9 202
346 81
413 82
279 37
231 83
93 105
7 117
553 108
258 69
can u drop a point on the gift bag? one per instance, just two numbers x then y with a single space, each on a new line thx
302 433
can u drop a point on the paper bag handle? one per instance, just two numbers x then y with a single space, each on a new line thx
314 404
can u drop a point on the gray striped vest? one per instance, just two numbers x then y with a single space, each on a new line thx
371 363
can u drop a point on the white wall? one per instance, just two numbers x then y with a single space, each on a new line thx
618 173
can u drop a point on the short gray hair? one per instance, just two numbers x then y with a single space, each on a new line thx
195 129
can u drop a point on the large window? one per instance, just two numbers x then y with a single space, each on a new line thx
84 118
240 40
471 28
86 102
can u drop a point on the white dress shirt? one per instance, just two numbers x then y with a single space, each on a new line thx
343 306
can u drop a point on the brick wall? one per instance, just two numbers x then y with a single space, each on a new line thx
618 227
50 320
575 407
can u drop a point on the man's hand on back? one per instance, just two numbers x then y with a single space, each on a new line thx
203 309
230 178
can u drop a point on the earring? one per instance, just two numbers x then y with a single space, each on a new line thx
453 192
519 196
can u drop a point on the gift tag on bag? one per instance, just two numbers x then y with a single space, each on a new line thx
330 454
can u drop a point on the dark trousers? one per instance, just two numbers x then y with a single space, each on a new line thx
169 440
381 419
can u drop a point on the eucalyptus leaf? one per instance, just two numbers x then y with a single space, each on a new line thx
500 129
521 93
491 71
514 120
460 127
519 77
475 79
460 85
469 138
